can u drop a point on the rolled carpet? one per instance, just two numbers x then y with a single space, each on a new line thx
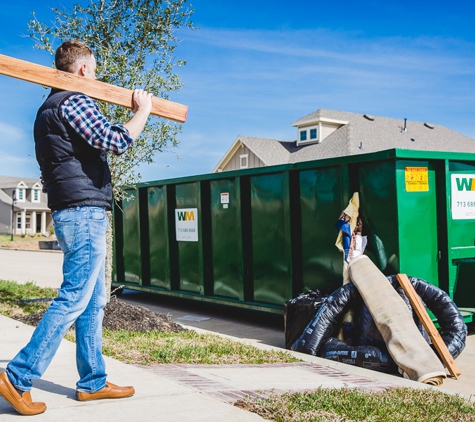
410 351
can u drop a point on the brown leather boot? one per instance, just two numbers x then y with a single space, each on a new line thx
23 403
111 391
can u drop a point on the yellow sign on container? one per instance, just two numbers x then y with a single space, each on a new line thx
417 179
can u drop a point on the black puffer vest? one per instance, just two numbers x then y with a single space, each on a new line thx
75 173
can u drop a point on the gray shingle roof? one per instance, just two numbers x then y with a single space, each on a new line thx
12 182
270 151
360 135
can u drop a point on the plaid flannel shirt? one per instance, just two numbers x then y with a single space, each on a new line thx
84 116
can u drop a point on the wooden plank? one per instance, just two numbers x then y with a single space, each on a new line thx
43 75
421 312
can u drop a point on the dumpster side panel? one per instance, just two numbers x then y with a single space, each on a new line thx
225 239
189 251
417 219
269 260
378 211
320 203
158 237
131 250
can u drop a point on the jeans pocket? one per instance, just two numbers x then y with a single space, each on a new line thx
66 233
98 214
66 227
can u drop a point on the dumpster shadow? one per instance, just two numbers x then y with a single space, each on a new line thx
261 327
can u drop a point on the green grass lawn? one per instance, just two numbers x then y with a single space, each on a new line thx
153 347
342 405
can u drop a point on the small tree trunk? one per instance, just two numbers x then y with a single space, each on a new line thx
109 257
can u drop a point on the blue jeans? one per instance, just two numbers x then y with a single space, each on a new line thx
81 234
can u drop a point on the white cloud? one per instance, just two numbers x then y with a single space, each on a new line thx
436 54
10 133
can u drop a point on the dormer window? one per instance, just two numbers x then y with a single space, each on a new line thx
308 134
314 131
20 194
36 193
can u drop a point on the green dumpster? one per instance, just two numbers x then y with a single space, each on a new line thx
255 238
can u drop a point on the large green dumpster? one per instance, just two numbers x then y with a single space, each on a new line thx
258 237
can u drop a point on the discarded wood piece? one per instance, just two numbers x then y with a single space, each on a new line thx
429 325
43 75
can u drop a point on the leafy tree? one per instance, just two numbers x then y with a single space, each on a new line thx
134 43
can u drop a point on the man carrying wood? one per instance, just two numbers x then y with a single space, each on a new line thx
71 138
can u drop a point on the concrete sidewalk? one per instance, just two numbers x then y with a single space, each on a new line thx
179 392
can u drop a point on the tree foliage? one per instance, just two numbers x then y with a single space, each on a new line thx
134 42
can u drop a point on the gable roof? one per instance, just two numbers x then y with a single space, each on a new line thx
269 151
12 182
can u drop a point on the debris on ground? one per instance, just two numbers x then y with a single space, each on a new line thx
119 315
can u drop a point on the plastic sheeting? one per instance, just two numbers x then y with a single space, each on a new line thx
299 311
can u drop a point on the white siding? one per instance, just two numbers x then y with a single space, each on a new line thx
234 163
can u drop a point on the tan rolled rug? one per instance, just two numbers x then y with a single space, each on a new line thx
410 351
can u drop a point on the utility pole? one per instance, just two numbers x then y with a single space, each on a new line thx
13 211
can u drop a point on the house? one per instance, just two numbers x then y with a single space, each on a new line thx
25 198
331 133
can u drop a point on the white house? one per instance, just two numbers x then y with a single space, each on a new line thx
331 133
23 204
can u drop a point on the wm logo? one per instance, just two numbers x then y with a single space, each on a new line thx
186 216
465 184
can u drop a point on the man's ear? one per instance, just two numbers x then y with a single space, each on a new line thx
82 69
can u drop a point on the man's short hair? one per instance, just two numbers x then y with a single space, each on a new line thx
69 52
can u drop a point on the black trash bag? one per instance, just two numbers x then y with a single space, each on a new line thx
453 329
368 357
298 312
327 321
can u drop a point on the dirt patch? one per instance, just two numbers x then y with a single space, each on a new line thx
119 315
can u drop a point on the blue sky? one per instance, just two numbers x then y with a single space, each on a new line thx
254 67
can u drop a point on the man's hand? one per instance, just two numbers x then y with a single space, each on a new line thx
142 100
142 105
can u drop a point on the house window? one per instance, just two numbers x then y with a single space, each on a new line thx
303 135
28 221
18 221
36 195
20 197
313 133
244 161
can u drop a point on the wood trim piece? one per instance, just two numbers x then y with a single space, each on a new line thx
434 335
43 75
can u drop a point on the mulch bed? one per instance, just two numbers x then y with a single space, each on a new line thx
119 315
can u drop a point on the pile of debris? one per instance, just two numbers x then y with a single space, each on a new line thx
119 315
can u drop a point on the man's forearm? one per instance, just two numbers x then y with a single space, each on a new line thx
136 124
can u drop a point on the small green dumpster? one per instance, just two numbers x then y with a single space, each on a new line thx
255 238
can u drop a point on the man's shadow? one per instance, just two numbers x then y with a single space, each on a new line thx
48 386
